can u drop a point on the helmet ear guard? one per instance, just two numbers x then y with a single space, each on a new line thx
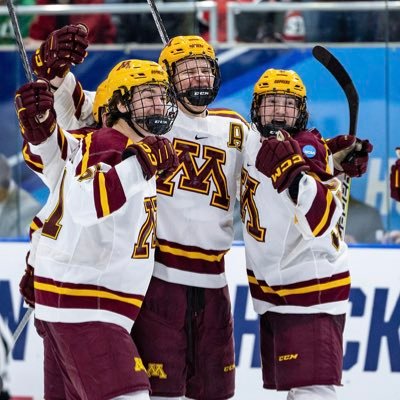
181 48
100 102
279 82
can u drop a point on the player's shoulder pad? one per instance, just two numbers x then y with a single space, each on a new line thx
226 112
104 145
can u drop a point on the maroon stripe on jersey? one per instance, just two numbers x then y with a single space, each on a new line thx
312 282
190 258
57 300
78 97
62 143
115 191
96 195
86 286
318 209
257 292
33 161
270 293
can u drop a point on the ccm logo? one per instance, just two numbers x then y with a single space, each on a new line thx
285 165
288 357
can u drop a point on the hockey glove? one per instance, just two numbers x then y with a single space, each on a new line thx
26 286
395 181
34 104
63 48
350 155
280 158
155 154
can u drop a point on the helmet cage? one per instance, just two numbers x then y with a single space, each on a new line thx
268 129
196 95
157 122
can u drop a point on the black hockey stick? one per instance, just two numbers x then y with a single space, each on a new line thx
158 21
29 77
332 64
20 43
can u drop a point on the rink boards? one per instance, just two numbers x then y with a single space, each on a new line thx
372 344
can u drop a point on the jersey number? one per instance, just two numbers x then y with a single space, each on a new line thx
52 225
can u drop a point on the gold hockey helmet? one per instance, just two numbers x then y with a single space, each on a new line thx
130 73
127 75
279 82
191 47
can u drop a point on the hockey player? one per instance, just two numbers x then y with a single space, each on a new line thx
296 261
188 294
184 331
95 255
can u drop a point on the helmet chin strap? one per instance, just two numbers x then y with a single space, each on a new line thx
197 97
271 128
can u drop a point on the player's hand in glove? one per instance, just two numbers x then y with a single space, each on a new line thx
280 158
350 155
395 180
34 104
26 286
63 48
155 154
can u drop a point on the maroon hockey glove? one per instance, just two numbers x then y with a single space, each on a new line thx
395 181
155 154
350 155
63 48
355 165
280 159
34 104
26 286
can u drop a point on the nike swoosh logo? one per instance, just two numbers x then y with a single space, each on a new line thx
200 137
249 165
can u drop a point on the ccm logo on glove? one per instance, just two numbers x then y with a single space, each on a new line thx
280 169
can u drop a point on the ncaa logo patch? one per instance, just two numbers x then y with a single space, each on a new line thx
309 151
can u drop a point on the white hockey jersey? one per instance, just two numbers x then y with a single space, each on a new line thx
195 204
195 225
296 261
95 255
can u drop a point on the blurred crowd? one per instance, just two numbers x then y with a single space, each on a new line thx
260 27
256 27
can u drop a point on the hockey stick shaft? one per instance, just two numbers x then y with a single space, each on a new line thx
21 325
20 43
158 21
332 64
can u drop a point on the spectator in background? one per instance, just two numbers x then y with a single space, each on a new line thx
270 27
17 207
364 223
140 28
341 26
24 21
256 26
101 27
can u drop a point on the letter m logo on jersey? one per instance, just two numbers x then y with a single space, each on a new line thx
196 176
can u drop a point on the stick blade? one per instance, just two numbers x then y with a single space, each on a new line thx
333 65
